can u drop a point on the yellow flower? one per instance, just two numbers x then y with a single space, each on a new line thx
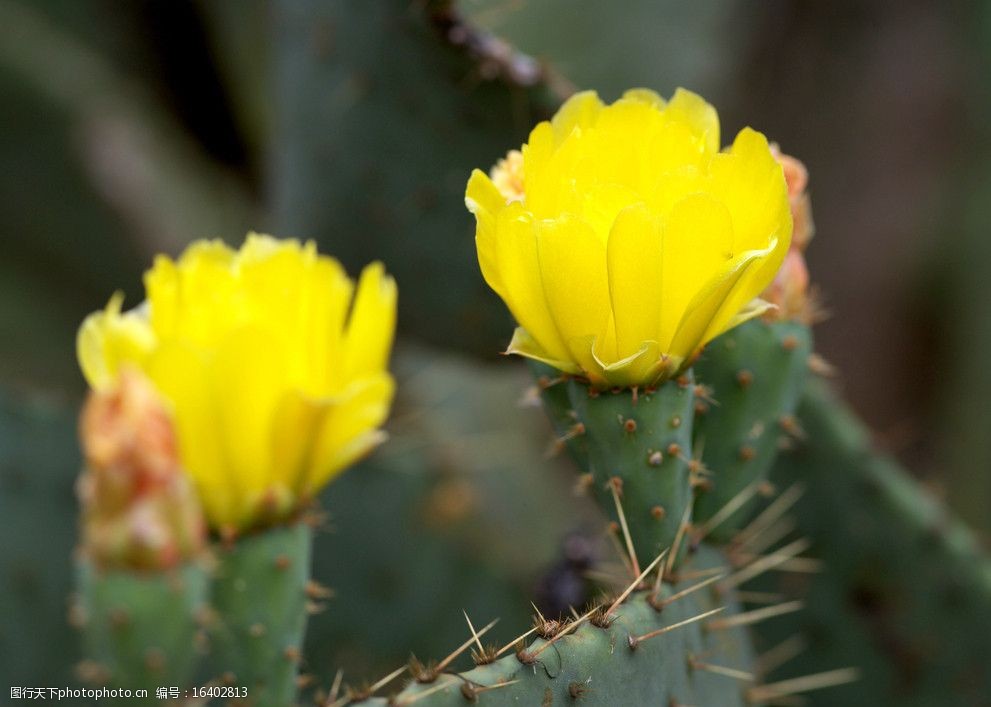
277 379
622 239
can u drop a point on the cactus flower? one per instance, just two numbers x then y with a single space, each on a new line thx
274 365
622 239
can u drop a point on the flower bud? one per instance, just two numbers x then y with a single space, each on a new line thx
789 291
796 181
139 510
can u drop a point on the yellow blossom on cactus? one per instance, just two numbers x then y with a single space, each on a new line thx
622 239
273 362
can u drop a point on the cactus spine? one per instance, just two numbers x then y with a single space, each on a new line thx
644 652
259 593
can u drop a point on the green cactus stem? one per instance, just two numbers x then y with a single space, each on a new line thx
260 598
139 629
636 443
755 375
907 591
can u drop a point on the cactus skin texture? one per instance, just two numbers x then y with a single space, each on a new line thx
906 595
756 374
596 666
139 630
642 438
259 594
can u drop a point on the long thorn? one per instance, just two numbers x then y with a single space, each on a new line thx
604 577
678 537
635 640
774 658
762 564
807 683
722 670
635 583
455 653
429 691
764 539
478 641
802 565
618 547
657 582
379 684
487 688
688 590
335 687
702 574
759 597
731 507
775 510
757 615
626 530
516 640
347 698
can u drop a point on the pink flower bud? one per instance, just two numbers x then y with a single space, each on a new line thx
139 509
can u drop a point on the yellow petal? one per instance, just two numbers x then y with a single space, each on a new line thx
323 307
706 310
755 308
248 381
751 184
602 204
162 289
580 111
695 111
482 195
519 270
297 423
368 338
484 201
634 257
182 375
698 241
349 429
644 366
524 345
537 153
645 95
573 271
736 303
109 339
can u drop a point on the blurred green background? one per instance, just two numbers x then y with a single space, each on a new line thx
133 127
